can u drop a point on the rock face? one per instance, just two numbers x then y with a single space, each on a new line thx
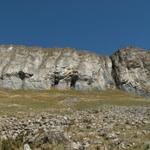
41 68
37 68
131 70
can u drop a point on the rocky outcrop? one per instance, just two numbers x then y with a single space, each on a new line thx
131 70
37 68
44 68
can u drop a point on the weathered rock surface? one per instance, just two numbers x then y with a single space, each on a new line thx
41 68
131 70
37 68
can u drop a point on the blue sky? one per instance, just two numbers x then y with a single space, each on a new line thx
101 26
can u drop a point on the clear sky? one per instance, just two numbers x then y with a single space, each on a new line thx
102 26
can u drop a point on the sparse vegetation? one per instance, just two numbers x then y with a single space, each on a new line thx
85 115
23 101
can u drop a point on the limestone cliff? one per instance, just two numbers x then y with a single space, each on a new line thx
43 68
38 68
131 70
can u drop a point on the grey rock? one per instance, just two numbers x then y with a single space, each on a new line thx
111 136
39 68
63 68
131 70
147 145
26 147
107 124
75 145
52 137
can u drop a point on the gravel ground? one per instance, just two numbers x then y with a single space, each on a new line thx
105 128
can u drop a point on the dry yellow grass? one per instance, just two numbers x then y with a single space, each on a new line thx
23 101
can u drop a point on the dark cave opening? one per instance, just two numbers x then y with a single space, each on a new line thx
56 79
22 75
1 77
74 79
